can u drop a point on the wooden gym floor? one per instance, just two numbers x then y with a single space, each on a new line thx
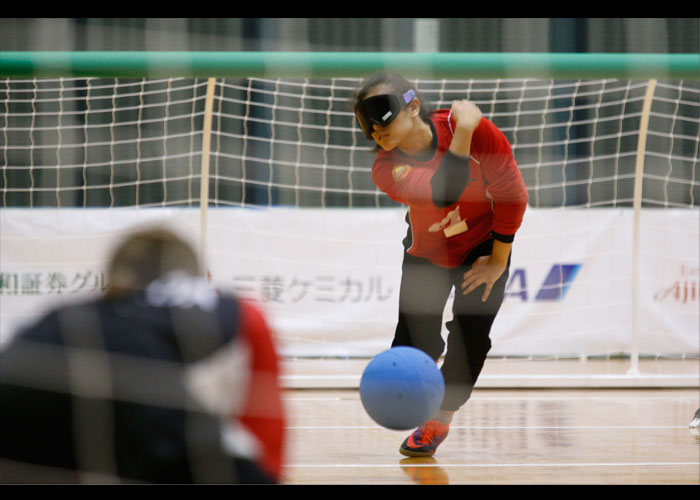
556 436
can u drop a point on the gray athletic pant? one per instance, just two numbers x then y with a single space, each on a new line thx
424 291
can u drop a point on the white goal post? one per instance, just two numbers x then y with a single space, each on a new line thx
256 158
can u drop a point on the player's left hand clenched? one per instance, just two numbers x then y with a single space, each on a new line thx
485 271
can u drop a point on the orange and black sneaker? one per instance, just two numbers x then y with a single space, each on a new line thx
424 441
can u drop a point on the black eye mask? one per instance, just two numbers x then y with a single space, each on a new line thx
380 110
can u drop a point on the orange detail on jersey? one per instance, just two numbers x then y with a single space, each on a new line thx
400 172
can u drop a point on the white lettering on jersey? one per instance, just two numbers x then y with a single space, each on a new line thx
451 225
178 289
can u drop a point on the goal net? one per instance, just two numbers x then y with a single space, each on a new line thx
269 178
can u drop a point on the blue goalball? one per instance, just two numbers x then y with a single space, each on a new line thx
401 388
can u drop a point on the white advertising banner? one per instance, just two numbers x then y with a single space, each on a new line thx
329 279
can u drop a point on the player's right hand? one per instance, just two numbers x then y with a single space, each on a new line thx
466 114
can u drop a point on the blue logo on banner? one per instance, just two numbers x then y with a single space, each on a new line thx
554 287
558 281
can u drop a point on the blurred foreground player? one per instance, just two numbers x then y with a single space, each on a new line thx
455 171
162 380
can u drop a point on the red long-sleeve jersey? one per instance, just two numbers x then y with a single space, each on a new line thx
495 198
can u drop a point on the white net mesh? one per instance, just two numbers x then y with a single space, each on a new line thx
96 142
322 247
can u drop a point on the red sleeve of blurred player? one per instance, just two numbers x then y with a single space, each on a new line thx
262 412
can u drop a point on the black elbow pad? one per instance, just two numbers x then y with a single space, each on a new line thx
505 238
450 180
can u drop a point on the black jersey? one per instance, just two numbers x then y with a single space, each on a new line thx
106 387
